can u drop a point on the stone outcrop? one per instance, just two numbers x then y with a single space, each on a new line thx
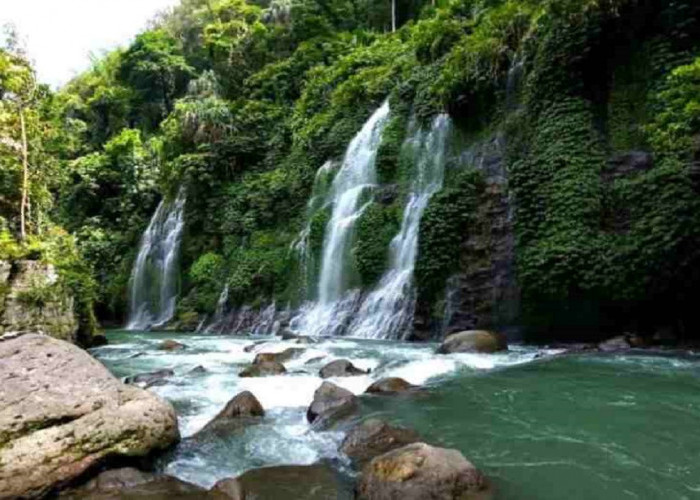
330 402
33 300
419 471
475 341
62 413
340 368
374 437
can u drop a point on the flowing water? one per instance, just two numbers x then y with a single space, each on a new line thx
388 311
540 426
347 199
153 284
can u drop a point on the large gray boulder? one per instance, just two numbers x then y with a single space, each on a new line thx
475 341
419 471
330 401
307 482
62 413
374 437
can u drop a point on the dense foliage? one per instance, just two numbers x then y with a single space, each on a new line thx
241 102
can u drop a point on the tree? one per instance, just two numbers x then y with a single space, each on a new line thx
18 92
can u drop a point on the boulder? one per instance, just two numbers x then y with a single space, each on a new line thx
280 357
619 343
171 345
307 482
131 484
263 369
244 404
149 379
390 385
340 368
374 437
62 413
419 471
475 341
330 401
251 347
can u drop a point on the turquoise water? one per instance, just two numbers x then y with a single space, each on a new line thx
540 426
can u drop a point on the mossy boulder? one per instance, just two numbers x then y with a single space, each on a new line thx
374 437
390 385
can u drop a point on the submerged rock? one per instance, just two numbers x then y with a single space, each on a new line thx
375 437
62 413
171 345
419 471
197 370
476 341
340 368
263 369
300 482
330 402
251 347
280 357
390 385
98 341
149 379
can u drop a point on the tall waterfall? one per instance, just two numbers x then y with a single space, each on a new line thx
356 175
388 311
153 283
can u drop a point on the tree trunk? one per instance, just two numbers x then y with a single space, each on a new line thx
393 15
25 179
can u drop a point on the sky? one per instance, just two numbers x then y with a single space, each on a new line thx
60 35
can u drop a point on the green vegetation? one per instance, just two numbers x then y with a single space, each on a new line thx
240 102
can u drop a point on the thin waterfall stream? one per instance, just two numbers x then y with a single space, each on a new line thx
154 277
387 312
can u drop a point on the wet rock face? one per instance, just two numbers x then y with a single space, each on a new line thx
475 341
330 402
263 369
54 316
419 471
62 413
375 437
340 368
390 385
307 482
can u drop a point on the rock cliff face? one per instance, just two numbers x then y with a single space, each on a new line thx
31 299
62 413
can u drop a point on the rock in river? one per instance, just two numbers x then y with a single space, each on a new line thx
340 368
263 369
243 405
62 413
390 385
293 482
149 379
330 401
171 345
419 471
280 357
375 437
478 341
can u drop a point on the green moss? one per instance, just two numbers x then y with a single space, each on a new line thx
376 227
444 227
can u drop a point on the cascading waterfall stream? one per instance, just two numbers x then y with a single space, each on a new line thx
153 283
388 311
356 174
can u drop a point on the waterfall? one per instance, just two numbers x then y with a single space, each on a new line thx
154 277
219 312
356 175
388 311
